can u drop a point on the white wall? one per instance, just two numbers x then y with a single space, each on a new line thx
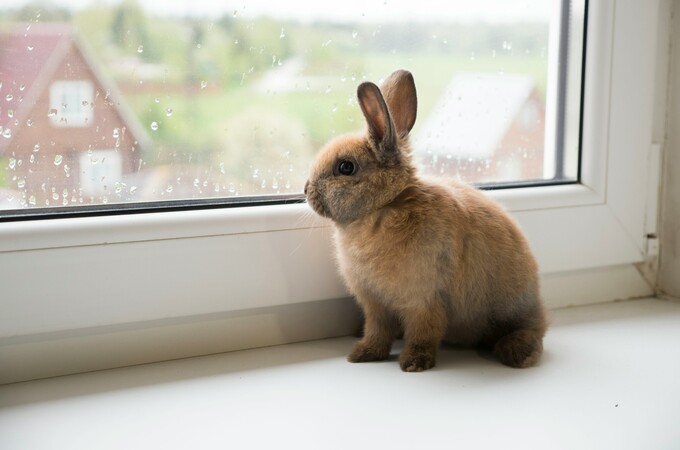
669 270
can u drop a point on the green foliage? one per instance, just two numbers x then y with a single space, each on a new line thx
4 176
263 149
129 30
39 11
251 47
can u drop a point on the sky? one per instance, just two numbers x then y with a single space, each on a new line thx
337 10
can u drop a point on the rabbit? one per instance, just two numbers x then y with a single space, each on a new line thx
436 260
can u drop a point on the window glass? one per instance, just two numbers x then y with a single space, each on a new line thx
137 101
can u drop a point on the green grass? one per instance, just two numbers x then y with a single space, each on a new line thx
199 124
432 72
4 175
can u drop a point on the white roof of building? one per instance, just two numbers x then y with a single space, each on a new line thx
472 115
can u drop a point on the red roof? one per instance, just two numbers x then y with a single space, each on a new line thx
26 51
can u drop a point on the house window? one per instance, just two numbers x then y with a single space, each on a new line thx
100 172
226 105
71 103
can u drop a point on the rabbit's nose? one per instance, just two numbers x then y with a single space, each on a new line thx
306 184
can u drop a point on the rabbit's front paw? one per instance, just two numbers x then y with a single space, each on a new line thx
417 358
365 352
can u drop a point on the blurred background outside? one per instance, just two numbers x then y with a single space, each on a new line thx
125 101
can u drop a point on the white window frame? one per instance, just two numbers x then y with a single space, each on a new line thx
71 115
82 273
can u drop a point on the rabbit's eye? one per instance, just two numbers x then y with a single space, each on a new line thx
346 167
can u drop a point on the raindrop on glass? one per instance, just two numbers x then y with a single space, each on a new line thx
204 84
168 112
31 200
36 148
140 49
9 97
12 163
168 189
21 87
58 159
30 48
21 183
52 112
7 133
29 122
154 126
157 100
354 34
116 133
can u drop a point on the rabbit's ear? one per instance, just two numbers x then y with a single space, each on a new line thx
380 125
399 90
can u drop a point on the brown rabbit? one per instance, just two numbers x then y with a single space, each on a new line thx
437 260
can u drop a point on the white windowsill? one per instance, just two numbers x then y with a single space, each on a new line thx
608 379
156 226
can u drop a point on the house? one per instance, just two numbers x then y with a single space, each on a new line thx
485 127
67 136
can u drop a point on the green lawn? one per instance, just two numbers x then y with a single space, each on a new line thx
200 122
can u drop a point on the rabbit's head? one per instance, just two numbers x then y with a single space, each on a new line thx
355 175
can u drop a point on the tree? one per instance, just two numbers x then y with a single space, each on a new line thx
129 30
40 12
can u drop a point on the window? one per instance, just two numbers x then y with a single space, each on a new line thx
71 103
99 169
186 266
223 104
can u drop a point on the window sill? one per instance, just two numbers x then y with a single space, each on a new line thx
606 381
157 226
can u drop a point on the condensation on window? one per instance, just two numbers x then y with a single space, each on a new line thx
136 101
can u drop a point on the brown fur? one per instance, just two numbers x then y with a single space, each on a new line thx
435 258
